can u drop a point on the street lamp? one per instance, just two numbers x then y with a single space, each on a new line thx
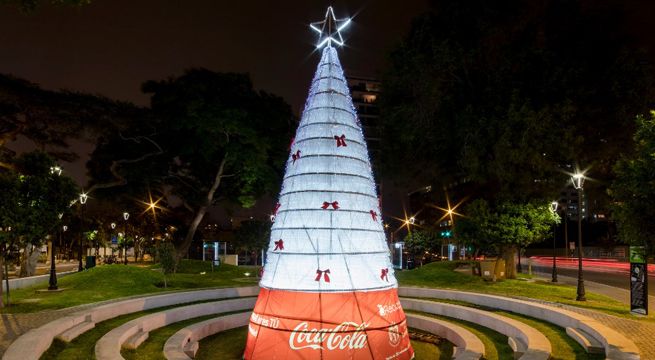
52 283
126 216
578 182
83 198
553 207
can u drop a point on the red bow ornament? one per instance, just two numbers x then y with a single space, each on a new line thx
293 141
279 245
325 273
295 156
383 274
374 215
276 208
334 204
341 140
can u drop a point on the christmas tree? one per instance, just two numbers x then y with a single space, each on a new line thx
328 289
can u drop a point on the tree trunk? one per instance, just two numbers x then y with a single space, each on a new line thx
519 268
510 261
183 248
29 260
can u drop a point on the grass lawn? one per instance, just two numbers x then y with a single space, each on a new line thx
83 347
564 347
230 344
495 343
115 281
442 275
152 348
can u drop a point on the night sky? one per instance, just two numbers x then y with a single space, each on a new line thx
111 46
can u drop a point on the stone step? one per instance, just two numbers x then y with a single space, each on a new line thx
135 340
191 348
588 342
76 330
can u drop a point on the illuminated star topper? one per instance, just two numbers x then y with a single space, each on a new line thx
329 30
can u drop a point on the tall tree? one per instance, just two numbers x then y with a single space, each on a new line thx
506 93
51 118
505 227
419 242
44 196
211 137
252 236
634 187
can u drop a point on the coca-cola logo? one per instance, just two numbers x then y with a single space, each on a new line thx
347 335
384 310
394 335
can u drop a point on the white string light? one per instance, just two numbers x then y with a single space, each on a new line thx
330 29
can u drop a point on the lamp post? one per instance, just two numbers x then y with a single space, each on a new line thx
83 198
111 239
52 283
553 208
578 182
126 216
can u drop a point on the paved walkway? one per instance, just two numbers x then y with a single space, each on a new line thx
14 325
641 332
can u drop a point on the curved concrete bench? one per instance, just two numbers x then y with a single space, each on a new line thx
67 328
183 345
467 345
615 345
525 340
134 332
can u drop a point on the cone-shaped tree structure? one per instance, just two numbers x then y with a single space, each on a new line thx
328 289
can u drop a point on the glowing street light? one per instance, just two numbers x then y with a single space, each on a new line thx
83 197
126 216
578 182
553 207
56 170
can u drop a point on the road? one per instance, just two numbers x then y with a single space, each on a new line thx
611 277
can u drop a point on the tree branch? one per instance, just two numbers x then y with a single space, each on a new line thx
113 169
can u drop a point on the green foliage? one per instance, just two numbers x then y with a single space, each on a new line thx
252 235
506 93
210 137
166 256
33 198
634 187
475 229
513 224
418 242
51 118
32 5
523 224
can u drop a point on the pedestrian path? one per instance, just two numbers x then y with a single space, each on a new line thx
641 332
14 325
613 292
